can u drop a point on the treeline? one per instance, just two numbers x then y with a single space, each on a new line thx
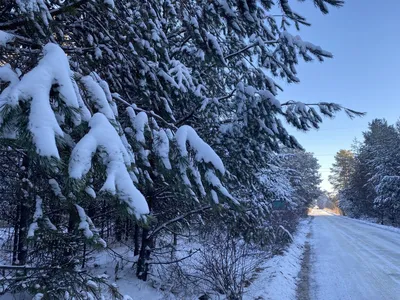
367 177
144 122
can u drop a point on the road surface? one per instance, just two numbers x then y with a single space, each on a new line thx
353 260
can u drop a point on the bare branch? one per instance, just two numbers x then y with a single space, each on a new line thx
174 261
179 218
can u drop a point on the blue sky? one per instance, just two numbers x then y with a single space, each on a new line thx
363 75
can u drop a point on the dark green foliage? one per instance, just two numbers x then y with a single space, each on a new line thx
371 187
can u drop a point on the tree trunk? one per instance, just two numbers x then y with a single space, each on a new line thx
15 241
118 229
136 240
393 218
174 244
69 252
23 213
103 211
128 225
142 270
84 256
22 245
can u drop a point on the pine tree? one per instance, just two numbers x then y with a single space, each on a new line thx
305 177
372 186
381 144
342 170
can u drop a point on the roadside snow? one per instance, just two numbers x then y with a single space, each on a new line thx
369 222
123 275
385 227
278 280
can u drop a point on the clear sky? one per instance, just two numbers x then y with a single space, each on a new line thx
364 37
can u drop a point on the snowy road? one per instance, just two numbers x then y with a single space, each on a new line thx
353 260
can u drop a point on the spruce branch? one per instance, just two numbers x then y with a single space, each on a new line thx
14 23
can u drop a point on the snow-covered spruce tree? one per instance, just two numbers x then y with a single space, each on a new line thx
358 198
241 120
388 192
372 186
44 118
293 180
66 125
305 176
169 64
381 144
47 115
382 159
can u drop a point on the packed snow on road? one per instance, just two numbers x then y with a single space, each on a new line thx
352 259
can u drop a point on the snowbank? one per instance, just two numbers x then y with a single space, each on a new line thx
385 227
371 223
278 280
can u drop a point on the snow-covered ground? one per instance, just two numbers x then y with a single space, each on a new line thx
278 279
125 277
353 259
